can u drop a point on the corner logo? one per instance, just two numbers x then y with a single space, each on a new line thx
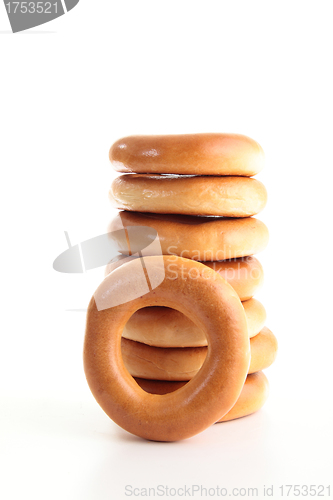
25 15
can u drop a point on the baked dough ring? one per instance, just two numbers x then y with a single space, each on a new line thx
189 195
253 396
183 363
165 327
194 154
212 304
199 238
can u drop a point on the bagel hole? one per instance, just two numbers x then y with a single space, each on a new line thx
161 362
160 387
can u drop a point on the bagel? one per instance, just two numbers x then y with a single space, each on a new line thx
192 154
255 315
199 238
211 303
165 327
253 396
188 195
183 363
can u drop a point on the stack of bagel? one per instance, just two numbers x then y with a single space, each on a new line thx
198 192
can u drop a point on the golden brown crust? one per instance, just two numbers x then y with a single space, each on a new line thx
265 347
158 363
191 154
245 275
255 315
165 327
228 196
199 238
212 304
253 396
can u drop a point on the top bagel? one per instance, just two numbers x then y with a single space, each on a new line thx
189 154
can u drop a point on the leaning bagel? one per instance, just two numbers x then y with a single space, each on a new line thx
253 396
159 363
211 303
199 238
192 154
165 327
189 195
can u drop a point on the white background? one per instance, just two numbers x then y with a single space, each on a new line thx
69 89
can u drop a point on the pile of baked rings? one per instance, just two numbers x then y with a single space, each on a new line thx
167 361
